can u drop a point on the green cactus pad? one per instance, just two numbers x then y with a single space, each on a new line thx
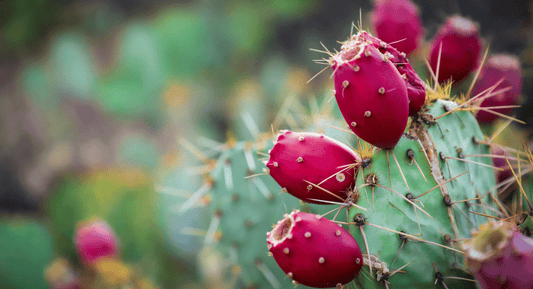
387 209
25 250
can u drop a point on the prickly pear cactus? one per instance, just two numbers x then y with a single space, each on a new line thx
245 203
422 198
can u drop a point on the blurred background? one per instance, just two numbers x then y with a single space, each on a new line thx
95 96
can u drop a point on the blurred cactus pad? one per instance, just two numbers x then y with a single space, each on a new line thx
25 250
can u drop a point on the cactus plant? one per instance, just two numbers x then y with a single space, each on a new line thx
244 202
419 196
408 216
243 207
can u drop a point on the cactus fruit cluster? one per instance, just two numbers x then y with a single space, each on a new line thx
243 202
423 184
418 193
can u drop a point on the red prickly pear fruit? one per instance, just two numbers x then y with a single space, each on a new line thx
394 20
500 162
312 157
314 251
497 67
461 49
416 90
499 256
371 93
94 240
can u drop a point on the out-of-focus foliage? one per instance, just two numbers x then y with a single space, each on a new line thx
25 250
124 197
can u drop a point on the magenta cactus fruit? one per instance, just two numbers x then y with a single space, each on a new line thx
416 90
94 240
394 20
495 68
370 92
461 49
298 161
314 251
499 256
499 162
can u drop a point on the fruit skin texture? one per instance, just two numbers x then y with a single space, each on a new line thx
321 158
497 67
416 90
461 49
394 20
95 240
314 252
501 257
371 94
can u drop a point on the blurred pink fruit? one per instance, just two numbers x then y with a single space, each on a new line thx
499 66
500 162
95 239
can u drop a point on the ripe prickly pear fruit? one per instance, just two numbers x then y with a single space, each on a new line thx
371 93
317 159
461 49
394 20
499 256
314 251
497 67
416 90
94 240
